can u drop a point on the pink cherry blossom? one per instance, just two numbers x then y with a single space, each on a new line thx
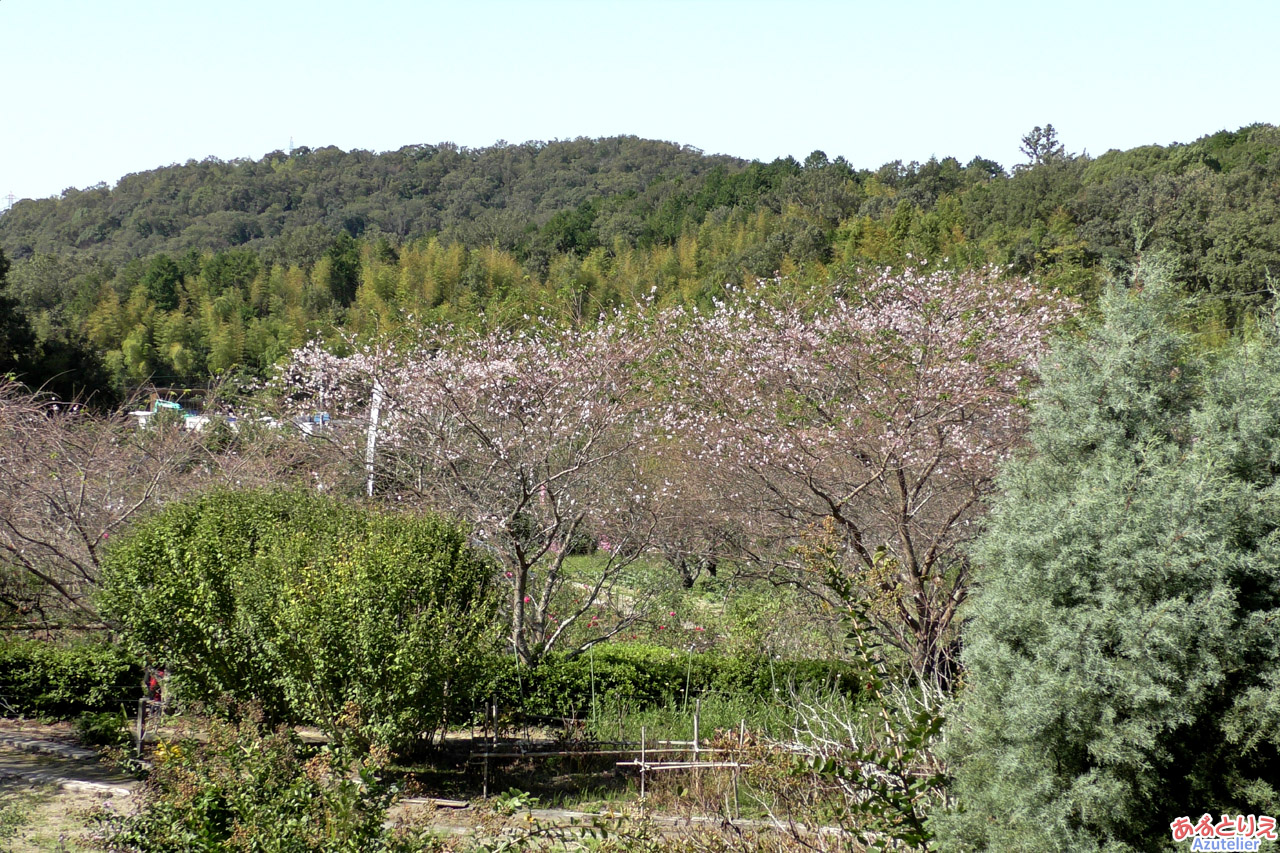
876 410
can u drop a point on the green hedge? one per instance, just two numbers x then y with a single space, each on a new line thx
650 677
42 679
51 680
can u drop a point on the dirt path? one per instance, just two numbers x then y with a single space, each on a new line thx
48 788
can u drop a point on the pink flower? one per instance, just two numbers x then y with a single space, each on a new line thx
527 599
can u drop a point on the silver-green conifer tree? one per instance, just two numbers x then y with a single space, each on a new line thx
1123 647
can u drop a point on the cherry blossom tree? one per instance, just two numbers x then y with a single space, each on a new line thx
535 438
874 411
877 415
65 488
72 478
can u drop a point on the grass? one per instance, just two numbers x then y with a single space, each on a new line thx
594 783
13 814
43 819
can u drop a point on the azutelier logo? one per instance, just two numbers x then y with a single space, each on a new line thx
1228 833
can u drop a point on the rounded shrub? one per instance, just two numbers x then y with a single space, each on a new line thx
318 611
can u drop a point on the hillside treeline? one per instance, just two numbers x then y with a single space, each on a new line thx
210 268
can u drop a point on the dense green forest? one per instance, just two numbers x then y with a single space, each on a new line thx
214 268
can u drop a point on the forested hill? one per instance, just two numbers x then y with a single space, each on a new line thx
212 267
290 206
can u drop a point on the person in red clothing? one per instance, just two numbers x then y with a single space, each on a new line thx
153 684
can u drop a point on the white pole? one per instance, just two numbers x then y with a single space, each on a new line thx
371 444
697 712
644 765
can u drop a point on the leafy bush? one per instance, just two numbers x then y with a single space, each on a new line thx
61 681
362 623
255 790
103 728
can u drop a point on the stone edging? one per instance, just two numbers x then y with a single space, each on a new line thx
47 747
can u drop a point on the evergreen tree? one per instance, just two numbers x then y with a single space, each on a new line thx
344 269
16 338
1041 145
1123 648
63 366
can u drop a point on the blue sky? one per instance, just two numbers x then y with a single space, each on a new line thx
93 90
